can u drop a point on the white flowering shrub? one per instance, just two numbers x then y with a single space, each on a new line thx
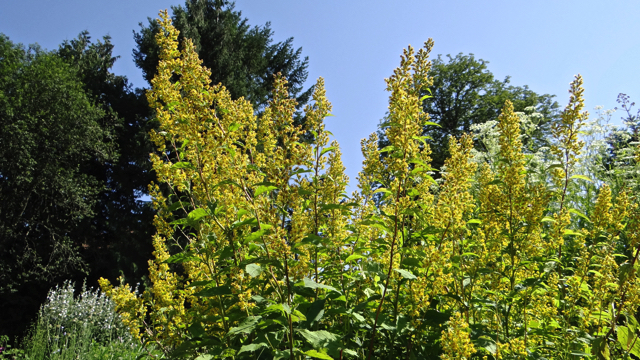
90 311
487 137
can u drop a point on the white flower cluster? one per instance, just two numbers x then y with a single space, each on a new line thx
487 135
90 311
599 160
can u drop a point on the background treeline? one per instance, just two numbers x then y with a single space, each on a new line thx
74 144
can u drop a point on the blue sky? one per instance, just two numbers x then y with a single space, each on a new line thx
354 45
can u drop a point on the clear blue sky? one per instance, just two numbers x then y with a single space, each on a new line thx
354 45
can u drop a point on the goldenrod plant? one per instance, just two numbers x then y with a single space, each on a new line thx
261 254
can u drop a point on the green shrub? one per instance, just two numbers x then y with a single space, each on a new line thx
82 327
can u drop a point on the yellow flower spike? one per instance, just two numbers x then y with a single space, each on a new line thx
456 341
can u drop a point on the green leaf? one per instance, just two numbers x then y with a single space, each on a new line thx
202 283
299 171
487 344
315 312
354 257
326 150
197 214
252 347
431 123
204 357
387 149
625 337
318 355
177 205
215 291
624 271
181 258
196 330
406 274
571 232
318 339
601 349
254 236
233 127
182 165
581 177
254 270
576 212
246 327
474 221
333 207
297 316
384 190
250 222
262 189
308 283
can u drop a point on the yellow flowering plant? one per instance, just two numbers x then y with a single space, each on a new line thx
261 254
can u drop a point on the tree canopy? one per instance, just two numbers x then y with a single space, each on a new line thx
50 132
118 238
464 92
243 58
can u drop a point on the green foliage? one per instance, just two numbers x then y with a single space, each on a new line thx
82 327
464 92
117 239
50 131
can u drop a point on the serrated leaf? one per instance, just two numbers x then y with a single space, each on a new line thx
246 327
